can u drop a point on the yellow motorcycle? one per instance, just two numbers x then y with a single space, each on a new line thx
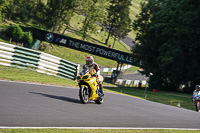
89 88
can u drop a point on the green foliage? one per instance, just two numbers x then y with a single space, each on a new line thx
168 33
27 38
17 34
18 9
94 12
1 8
55 15
14 32
59 12
118 20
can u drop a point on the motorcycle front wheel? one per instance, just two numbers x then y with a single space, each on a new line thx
83 94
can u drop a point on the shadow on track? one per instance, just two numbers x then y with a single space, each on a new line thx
72 100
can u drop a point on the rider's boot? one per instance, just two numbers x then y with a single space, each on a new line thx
101 88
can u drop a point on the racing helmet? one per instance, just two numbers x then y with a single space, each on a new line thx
197 87
89 60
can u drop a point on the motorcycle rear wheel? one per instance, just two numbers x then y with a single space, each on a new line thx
198 106
83 94
99 100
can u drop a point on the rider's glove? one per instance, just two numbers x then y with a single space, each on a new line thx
94 75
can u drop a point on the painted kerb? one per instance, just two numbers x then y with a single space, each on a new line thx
12 55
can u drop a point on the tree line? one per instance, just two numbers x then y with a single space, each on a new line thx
168 32
55 15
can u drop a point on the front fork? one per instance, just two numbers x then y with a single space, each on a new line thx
87 90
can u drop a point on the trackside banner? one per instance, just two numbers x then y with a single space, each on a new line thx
95 49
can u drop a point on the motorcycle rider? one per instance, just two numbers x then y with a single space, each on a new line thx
91 65
195 93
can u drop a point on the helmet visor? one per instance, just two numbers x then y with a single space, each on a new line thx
88 62
197 87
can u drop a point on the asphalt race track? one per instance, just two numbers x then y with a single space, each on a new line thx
34 105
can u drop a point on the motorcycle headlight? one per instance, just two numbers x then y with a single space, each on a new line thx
85 77
78 77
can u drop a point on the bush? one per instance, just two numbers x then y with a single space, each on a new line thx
9 31
14 32
17 34
43 46
27 38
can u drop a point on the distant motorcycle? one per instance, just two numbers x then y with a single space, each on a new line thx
89 88
196 100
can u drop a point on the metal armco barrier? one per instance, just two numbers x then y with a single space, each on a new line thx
12 55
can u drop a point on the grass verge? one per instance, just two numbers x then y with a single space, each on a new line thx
78 56
30 75
169 98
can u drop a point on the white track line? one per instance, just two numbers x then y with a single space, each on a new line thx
2 127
